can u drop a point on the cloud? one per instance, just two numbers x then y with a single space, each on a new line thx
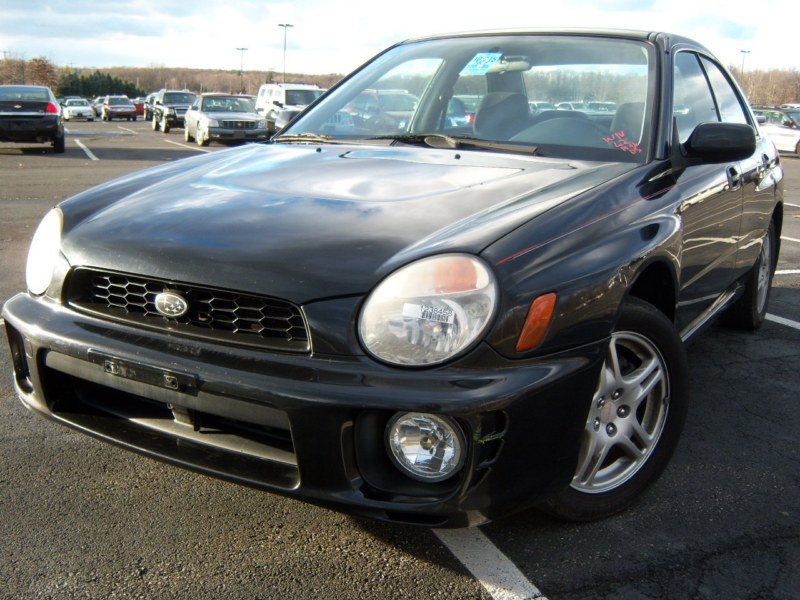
338 35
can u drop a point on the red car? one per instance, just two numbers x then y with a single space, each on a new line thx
139 104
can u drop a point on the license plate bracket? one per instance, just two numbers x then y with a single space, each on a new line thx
135 371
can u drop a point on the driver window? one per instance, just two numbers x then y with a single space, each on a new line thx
728 102
693 102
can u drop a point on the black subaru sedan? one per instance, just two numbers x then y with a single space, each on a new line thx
434 319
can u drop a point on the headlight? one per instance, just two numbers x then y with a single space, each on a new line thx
43 253
260 124
211 123
425 447
429 311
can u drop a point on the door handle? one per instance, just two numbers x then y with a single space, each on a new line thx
734 177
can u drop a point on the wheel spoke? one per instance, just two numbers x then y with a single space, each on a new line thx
634 452
642 381
592 459
644 437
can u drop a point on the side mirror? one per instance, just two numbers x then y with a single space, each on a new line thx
720 142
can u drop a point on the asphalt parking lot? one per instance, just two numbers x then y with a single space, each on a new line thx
79 518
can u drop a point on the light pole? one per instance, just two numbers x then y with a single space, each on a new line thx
241 69
744 53
285 27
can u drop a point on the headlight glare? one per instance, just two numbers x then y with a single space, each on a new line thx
425 447
43 253
429 311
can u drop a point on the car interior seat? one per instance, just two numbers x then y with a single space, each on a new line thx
629 120
500 115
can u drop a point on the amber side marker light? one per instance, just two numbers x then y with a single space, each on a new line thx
539 315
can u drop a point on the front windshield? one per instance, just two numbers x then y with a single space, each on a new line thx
179 97
302 97
498 89
228 104
795 116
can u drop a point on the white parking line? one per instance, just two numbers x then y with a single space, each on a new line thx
188 146
493 570
788 239
782 321
86 150
787 272
793 205
131 131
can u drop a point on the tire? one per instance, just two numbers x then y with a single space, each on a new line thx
750 309
134 118
201 138
92 119
155 122
59 144
635 419
164 124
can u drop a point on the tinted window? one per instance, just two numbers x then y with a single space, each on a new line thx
693 102
728 103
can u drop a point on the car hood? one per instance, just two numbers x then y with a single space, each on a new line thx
304 222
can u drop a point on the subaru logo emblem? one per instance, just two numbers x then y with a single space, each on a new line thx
171 304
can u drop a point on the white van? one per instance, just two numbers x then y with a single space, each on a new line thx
274 97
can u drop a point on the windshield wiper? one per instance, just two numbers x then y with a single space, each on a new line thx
439 140
314 138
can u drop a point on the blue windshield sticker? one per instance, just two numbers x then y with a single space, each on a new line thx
481 63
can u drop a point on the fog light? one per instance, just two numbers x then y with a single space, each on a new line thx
425 447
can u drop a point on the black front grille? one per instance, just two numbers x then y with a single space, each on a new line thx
239 124
213 313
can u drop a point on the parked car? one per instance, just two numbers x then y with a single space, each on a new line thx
98 106
147 107
223 118
274 98
139 104
169 108
782 126
118 107
30 113
536 106
383 108
412 323
78 109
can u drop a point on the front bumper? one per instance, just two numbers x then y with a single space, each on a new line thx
225 134
79 114
121 114
305 426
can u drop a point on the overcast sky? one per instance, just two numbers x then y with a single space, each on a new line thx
336 36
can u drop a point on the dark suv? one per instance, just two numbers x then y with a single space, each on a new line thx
169 108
